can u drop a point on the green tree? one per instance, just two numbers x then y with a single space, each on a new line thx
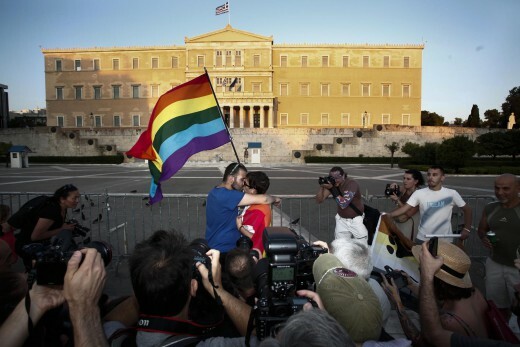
512 104
512 143
431 119
457 121
425 154
493 143
473 118
393 147
455 152
492 118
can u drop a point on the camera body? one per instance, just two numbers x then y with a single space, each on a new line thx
79 230
389 190
246 244
326 180
399 279
290 258
52 258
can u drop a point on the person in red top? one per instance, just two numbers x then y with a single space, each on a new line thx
255 218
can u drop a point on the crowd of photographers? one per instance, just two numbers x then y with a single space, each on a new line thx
280 291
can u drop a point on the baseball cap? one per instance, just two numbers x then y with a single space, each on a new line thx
348 298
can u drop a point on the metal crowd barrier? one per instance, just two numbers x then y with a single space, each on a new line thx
123 220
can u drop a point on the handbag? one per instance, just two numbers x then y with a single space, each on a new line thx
497 326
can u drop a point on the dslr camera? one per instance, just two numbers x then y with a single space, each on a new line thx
326 180
199 248
389 190
288 267
399 279
52 258
79 230
246 244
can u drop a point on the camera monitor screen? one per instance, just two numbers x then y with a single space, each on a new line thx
285 273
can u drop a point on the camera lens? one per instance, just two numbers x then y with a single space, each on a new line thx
104 249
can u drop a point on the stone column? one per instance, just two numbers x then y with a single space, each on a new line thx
262 116
251 119
270 119
241 116
231 117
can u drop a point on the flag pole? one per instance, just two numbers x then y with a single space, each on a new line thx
221 115
229 13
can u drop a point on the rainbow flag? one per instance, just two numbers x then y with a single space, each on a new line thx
186 120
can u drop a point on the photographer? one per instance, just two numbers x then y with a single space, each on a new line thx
46 220
408 223
350 208
83 284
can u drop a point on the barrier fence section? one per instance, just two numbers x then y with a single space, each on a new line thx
123 220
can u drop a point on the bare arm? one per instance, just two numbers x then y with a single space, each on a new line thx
468 218
242 229
399 211
429 313
259 199
83 286
323 193
41 229
236 309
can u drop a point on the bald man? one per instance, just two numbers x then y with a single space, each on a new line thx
503 218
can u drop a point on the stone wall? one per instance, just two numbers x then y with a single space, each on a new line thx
278 145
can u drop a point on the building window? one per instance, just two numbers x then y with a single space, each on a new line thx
256 60
385 119
117 121
345 89
385 89
200 61
77 65
60 121
284 89
136 120
79 121
229 56
406 119
115 64
325 89
175 62
96 64
284 119
304 118
135 91
59 93
238 58
304 61
345 119
345 60
325 61
155 90
115 91
366 61
218 59
97 92
365 89
304 89
135 63
283 61
406 62
406 90
257 87
78 92
386 61
155 63
97 120
324 119
58 65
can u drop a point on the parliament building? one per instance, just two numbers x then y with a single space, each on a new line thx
258 84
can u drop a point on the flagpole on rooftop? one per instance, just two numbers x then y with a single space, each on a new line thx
222 116
229 13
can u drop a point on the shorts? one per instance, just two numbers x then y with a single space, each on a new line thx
500 280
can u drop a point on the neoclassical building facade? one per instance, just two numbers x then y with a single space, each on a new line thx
258 84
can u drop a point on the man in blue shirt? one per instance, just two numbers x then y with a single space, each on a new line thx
222 208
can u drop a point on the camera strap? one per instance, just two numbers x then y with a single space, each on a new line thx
174 326
355 209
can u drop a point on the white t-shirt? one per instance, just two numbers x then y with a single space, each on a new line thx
435 207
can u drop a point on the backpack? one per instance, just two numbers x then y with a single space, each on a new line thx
27 213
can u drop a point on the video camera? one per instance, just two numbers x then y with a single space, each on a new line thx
51 259
286 269
389 190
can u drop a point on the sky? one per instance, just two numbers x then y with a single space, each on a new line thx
471 54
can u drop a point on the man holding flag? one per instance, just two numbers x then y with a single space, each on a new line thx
222 208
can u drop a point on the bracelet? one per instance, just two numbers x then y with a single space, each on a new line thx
469 231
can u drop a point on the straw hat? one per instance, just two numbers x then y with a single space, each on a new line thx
455 270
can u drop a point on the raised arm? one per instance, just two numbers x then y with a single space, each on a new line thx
259 199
